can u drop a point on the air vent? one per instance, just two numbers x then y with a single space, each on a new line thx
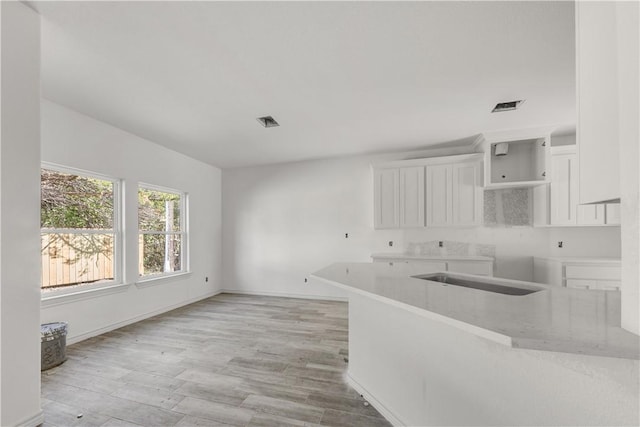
268 122
507 106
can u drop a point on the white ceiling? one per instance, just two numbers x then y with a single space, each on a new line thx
341 77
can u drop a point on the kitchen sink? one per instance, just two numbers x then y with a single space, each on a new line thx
480 283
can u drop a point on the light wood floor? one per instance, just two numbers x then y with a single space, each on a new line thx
228 360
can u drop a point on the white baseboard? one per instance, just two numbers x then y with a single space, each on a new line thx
33 421
390 416
77 338
286 295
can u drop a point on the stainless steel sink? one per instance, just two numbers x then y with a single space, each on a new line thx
481 284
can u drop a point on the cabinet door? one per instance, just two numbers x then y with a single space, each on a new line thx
466 194
439 189
385 198
412 197
564 189
597 100
591 214
612 214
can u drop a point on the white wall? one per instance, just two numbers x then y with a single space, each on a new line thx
19 216
74 140
282 222
628 18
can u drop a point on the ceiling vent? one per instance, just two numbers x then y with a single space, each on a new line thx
507 106
268 122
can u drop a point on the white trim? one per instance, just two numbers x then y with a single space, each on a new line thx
286 295
380 407
557 150
77 338
49 230
77 171
159 278
185 258
474 157
159 188
83 292
117 229
515 135
33 421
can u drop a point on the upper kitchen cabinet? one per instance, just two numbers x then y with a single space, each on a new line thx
597 101
564 186
436 192
411 197
557 204
454 194
386 197
398 197
439 195
516 159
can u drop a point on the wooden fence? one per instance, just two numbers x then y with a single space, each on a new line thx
69 259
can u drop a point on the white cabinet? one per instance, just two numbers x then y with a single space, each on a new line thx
399 197
591 214
516 158
386 198
557 204
436 192
482 266
454 194
439 192
467 194
578 273
564 188
411 197
597 101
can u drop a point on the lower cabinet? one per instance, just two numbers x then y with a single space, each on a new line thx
482 266
578 273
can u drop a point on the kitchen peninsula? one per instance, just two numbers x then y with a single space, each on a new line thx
429 353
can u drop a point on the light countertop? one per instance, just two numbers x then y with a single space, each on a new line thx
592 260
400 255
553 319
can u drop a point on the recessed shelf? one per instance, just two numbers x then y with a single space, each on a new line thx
521 163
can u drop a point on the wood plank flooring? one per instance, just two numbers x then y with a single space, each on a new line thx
230 360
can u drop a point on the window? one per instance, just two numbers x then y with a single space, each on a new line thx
162 231
79 220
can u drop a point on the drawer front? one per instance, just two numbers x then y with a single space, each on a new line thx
471 267
580 284
595 272
600 285
425 265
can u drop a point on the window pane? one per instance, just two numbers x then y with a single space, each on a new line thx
158 210
160 253
72 201
75 259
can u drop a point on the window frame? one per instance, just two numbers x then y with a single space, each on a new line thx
184 233
118 235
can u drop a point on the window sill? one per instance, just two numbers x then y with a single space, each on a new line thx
161 278
65 298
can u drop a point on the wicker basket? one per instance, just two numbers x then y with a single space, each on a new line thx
53 351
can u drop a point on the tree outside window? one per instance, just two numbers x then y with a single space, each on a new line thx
161 231
78 220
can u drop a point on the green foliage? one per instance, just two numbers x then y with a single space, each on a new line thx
72 201
153 208
77 202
